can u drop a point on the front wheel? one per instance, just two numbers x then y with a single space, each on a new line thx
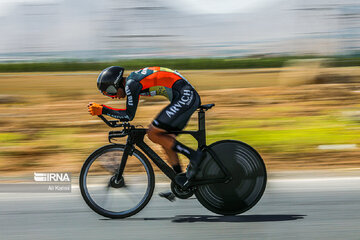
248 182
111 198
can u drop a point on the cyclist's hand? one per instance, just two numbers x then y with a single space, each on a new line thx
95 109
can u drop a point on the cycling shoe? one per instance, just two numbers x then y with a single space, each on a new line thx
168 195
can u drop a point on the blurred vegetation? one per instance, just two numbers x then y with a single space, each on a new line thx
188 63
44 123
288 134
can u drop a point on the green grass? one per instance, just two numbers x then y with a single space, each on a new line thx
344 61
10 137
286 135
64 138
185 63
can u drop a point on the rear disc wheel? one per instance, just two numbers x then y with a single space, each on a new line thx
248 181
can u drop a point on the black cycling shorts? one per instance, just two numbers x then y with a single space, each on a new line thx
185 101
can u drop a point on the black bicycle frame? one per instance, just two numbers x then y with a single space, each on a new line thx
136 137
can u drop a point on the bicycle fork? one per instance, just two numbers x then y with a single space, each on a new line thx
134 137
128 150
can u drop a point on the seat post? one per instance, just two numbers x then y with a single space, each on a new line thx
202 133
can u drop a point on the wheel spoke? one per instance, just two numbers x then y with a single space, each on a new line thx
107 190
106 197
129 194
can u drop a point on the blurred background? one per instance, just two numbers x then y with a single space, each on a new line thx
284 75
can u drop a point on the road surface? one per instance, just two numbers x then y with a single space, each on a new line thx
296 205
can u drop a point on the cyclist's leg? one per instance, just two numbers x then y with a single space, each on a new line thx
173 159
160 136
169 143
174 117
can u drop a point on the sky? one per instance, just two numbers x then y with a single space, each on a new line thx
220 7
6 6
129 28
190 6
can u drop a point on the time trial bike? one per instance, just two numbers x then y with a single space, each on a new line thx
117 180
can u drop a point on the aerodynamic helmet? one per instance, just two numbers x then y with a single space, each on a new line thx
110 80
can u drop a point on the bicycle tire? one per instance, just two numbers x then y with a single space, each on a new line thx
89 197
248 178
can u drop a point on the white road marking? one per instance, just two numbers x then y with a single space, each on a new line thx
318 184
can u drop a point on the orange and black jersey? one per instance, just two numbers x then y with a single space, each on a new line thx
148 81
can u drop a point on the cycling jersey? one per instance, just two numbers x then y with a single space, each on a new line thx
154 81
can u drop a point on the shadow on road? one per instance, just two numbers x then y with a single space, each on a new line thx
243 218
209 218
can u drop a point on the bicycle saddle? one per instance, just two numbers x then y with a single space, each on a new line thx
206 106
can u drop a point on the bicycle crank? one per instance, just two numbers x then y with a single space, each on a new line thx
181 193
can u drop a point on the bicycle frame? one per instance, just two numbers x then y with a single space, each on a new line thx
136 137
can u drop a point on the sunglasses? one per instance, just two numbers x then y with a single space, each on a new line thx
110 91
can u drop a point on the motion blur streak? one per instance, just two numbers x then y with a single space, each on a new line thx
289 210
81 29
285 78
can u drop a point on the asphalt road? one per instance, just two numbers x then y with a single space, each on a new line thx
296 205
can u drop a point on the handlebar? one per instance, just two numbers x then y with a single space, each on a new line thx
116 123
113 123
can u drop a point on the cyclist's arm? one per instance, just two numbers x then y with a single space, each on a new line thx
132 90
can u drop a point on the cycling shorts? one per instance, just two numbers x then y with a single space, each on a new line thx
184 103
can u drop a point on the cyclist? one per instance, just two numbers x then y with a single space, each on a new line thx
151 81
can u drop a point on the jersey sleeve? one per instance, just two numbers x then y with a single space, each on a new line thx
132 90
